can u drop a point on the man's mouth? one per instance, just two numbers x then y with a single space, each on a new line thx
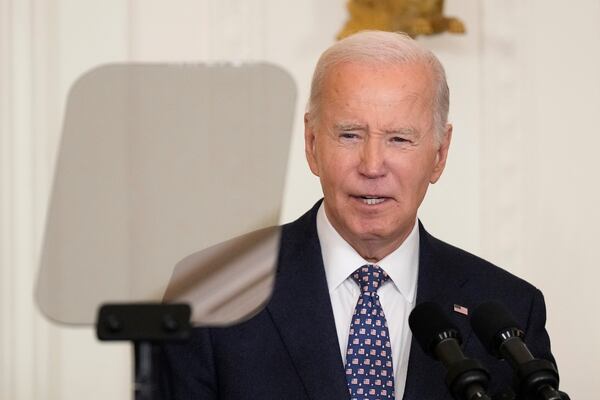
371 200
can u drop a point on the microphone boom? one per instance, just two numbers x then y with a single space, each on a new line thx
503 338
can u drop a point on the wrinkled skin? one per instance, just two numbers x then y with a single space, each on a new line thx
374 137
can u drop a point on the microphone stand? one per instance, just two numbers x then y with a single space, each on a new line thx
537 379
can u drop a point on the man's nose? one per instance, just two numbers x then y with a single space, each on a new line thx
372 163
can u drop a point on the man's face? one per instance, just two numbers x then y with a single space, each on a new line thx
373 146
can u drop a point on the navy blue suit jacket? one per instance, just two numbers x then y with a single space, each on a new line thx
290 350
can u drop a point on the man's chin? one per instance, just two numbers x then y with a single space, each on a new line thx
384 233
371 233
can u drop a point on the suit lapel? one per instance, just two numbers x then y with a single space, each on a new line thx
301 311
443 283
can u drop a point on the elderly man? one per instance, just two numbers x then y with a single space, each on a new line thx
354 266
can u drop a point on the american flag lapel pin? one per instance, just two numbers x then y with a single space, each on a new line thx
457 308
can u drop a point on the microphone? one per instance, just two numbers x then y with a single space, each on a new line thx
503 338
466 379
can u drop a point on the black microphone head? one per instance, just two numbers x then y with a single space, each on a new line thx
492 324
430 325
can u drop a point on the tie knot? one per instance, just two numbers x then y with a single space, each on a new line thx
370 278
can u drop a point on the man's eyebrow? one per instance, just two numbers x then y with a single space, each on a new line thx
407 130
349 126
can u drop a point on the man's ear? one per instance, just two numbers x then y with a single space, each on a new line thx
441 154
310 143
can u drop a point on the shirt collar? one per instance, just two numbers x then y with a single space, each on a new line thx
341 260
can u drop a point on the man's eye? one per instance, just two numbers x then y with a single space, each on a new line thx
398 139
348 135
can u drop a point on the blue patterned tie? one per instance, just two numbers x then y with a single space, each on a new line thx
369 368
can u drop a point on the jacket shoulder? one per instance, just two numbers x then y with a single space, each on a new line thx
476 268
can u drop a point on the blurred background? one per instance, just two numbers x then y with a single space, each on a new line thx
520 188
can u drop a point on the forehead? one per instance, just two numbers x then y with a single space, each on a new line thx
404 90
415 76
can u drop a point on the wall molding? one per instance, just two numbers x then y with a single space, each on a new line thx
501 140
24 366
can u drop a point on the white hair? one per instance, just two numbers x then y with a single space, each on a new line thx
379 47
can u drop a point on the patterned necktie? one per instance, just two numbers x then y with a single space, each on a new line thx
369 370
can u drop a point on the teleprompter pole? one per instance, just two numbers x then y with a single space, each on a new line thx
147 326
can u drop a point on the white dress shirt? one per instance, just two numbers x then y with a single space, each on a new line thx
397 295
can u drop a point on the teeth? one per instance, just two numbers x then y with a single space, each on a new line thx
372 200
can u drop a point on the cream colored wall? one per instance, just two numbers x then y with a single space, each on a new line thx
520 187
